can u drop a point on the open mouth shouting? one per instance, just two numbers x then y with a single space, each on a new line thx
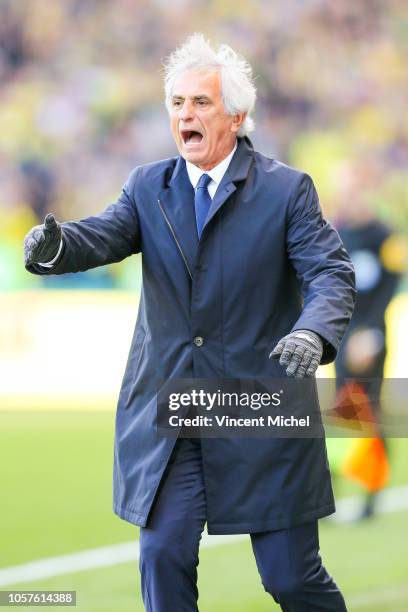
191 138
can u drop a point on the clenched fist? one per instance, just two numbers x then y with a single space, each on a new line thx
42 242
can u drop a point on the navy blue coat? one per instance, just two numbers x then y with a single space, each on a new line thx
267 263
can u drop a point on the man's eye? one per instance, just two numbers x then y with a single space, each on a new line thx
202 102
177 103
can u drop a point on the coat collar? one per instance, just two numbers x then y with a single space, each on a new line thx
177 198
237 171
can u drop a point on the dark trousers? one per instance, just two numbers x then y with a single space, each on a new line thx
288 560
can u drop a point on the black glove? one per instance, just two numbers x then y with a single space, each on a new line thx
42 242
301 351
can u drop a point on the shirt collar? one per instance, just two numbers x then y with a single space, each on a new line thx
216 173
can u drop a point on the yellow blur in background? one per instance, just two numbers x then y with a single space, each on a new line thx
68 349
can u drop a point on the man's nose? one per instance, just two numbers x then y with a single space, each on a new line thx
186 112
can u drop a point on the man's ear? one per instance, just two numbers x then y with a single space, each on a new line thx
237 121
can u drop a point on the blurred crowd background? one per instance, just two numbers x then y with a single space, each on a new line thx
81 103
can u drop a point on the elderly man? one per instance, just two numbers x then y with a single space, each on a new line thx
237 260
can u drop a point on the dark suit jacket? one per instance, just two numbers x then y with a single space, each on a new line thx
267 263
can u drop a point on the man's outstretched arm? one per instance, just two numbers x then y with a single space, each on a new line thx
95 241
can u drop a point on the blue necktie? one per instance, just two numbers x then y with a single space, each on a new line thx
202 202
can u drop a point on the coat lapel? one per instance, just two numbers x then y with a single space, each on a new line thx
177 203
176 200
237 171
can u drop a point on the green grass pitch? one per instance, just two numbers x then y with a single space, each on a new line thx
56 470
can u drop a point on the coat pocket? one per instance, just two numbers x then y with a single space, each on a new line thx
135 363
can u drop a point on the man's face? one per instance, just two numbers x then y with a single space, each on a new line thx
203 132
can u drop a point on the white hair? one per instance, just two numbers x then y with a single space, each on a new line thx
237 87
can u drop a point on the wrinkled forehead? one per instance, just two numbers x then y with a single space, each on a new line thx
198 82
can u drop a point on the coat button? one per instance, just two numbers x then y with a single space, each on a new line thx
198 341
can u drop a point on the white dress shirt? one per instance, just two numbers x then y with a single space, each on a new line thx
194 174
